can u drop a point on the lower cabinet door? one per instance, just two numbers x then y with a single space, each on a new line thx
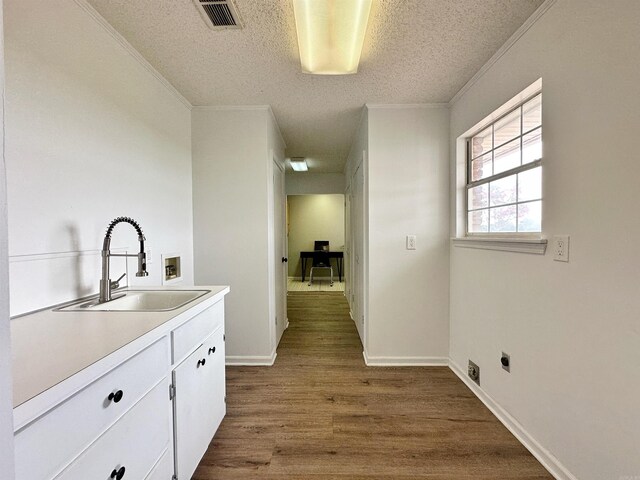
199 404
131 447
163 470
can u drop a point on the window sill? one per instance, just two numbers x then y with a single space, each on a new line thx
536 246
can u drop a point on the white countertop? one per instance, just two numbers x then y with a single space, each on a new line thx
50 346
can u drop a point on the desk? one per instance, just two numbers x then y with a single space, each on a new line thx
339 256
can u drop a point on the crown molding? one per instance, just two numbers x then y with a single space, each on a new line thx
383 106
100 20
535 16
232 107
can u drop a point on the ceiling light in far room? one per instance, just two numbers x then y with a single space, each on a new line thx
331 34
299 164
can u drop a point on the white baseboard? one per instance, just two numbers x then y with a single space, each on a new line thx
246 360
287 325
404 361
548 461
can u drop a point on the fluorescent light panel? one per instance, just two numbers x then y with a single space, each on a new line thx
331 34
298 164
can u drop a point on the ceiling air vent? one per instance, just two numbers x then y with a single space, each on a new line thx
219 14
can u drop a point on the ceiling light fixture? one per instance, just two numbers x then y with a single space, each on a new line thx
299 164
331 34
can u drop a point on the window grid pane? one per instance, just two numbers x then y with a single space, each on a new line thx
511 204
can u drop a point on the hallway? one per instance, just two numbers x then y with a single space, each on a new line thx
319 413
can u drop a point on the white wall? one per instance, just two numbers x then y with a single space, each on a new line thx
572 328
311 218
91 134
408 310
232 186
6 387
307 183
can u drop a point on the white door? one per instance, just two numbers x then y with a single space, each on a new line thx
280 249
346 274
357 261
199 403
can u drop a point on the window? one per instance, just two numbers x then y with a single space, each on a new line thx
504 173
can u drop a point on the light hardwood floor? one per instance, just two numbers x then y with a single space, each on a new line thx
296 285
320 414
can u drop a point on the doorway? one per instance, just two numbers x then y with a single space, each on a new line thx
315 222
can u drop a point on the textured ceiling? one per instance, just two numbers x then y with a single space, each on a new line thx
416 51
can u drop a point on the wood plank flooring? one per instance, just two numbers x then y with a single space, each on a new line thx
320 414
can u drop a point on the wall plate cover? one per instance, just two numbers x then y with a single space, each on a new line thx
411 242
561 248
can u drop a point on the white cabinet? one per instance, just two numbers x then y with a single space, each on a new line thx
81 419
149 413
129 449
199 402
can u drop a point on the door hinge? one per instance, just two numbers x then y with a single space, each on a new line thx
224 338
172 392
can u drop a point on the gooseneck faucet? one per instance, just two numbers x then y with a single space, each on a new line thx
106 285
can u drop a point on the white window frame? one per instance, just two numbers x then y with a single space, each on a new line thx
508 173
521 242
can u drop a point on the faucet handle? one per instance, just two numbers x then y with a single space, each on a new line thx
116 283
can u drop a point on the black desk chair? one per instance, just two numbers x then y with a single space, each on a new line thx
321 260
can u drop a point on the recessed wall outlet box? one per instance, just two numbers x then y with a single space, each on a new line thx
171 268
474 372
505 361
411 242
561 248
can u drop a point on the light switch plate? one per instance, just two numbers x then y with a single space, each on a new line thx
561 248
411 242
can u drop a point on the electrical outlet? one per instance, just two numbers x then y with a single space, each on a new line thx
149 254
561 248
411 242
473 371
505 361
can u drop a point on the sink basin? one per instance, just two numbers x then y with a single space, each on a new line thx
140 301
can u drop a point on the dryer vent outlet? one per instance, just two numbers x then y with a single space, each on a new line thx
474 372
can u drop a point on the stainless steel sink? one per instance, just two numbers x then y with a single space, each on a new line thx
140 301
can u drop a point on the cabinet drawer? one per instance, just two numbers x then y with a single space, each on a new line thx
199 402
44 447
134 443
188 336
163 470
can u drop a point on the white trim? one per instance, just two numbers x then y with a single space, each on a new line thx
548 461
520 245
273 117
404 361
232 107
384 106
247 360
93 13
535 16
